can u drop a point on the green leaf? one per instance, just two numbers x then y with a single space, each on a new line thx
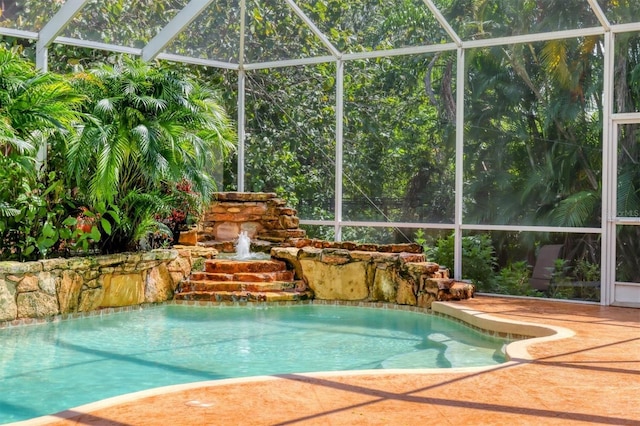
115 215
46 243
95 233
106 225
65 233
48 230
101 207
70 221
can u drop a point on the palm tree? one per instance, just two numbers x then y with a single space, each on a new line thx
35 109
33 106
150 129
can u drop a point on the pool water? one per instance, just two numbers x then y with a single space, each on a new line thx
51 367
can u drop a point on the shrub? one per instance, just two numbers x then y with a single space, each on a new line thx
478 258
513 279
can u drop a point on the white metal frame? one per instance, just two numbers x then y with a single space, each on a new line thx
613 220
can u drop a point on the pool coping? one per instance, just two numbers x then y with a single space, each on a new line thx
515 351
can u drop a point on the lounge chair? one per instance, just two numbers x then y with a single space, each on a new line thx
544 267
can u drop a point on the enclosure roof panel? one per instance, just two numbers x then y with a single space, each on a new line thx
476 20
125 23
17 17
257 33
376 25
621 11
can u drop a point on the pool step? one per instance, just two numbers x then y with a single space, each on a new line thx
245 296
228 266
226 280
243 276
204 286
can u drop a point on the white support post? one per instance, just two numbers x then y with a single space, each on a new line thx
243 24
339 149
42 154
609 172
54 27
45 37
241 99
42 59
459 182
241 129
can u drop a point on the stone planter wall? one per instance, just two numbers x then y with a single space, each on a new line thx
65 286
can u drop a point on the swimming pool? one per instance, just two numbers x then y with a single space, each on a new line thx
51 367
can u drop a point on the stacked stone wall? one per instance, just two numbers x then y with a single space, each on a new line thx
400 274
262 215
60 286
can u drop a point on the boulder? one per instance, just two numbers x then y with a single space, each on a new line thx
36 304
69 290
8 306
159 285
122 290
336 281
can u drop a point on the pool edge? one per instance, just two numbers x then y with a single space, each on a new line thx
516 353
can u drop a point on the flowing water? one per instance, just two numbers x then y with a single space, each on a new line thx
243 246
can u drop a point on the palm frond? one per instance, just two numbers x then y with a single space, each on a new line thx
628 199
575 210
554 59
6 210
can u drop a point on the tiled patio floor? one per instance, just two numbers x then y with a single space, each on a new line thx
590 378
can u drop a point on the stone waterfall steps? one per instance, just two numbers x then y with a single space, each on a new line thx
226 280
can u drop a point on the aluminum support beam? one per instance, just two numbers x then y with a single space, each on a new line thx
452 226
199 61
54 27
314 29
186 16
532 38
241 128
45 37
459 177
602 18
339 149
243 24
13 32
289 63
609 170
443 22
241 98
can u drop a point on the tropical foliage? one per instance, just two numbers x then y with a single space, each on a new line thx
34 108
150 130
132 150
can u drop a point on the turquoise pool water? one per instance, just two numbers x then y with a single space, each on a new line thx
51 367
